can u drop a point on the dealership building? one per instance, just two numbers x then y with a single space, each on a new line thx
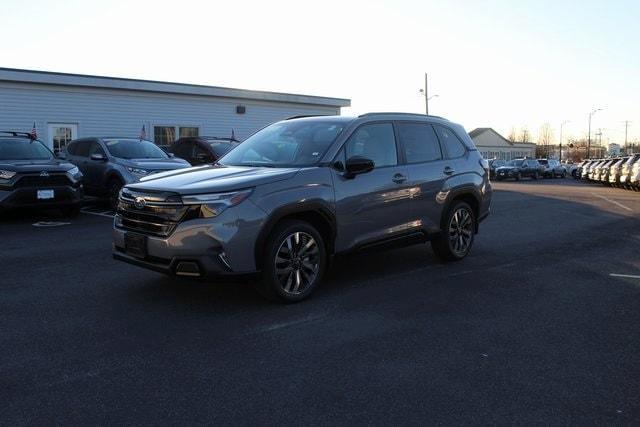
68 106
492 145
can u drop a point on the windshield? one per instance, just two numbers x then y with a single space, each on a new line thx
23 149
294 143
220 148
134 149
516 163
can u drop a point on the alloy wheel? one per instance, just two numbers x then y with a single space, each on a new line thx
460 231
297 262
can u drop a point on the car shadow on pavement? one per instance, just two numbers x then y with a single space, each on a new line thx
520 235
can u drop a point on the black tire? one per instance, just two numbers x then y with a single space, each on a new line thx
444 245
292 280
519 176
114 191
70 211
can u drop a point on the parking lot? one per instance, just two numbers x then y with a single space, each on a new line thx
540 324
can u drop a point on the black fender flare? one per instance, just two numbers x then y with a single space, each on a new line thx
312 206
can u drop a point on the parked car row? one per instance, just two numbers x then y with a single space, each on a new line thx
616 171
526 168
31 175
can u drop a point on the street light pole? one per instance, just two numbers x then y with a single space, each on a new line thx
426 93
561 125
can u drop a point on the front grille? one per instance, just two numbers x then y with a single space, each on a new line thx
158 215
58 180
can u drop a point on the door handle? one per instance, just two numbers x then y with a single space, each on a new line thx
448 170
399 178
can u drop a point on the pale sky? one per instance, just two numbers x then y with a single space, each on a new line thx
493 63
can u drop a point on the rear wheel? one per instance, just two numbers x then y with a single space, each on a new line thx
114 192
294 263
458 231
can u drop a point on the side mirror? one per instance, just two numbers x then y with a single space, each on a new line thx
357 165
171 155
62 155
98 157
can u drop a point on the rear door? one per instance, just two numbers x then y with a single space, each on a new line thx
426 166
372 206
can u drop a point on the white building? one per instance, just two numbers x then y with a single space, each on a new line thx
69 106
614 149
492 145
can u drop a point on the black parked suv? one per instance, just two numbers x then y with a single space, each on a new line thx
299 191
201 150
520 168
32 176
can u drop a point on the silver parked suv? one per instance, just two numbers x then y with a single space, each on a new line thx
299 191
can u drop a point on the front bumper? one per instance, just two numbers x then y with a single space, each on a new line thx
218 246
27 197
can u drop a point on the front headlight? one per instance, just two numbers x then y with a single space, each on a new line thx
214 204
138 171
6 174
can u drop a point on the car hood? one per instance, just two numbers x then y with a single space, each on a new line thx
212 179
28 166
156 164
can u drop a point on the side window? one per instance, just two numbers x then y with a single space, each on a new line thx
419 142
95 148
82 149
183 149
452 145
198 151
376 142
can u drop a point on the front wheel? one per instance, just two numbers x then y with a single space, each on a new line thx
458 231
295 261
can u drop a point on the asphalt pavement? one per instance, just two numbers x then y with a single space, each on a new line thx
540 324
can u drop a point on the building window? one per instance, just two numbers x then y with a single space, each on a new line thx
189 131
166 135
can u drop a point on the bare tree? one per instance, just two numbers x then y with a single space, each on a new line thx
513 135
545 138
524 135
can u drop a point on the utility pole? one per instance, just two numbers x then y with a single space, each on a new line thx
595 110
626 129
426 93
561 125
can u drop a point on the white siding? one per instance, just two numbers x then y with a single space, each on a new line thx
104 112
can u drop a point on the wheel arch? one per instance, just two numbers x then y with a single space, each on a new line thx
468 195
316 213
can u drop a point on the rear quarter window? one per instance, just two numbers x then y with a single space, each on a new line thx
450 142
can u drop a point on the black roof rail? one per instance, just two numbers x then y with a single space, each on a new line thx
387 113
14 133
303 116
222 138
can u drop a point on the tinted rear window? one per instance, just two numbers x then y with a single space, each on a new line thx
450 142
419 142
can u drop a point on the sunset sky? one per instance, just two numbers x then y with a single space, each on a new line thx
493 63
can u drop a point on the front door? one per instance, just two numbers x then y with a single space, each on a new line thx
372 206
60 134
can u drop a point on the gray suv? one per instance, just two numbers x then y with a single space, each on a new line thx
300 191
109 163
